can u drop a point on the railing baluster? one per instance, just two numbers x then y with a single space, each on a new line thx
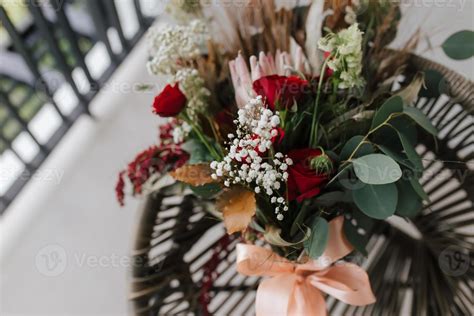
95 10
104 15
73 39
142 21
32 65
14 112
59 59
115 21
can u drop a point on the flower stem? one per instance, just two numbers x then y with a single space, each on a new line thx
314 125
203 139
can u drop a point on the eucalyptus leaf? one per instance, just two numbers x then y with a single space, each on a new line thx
460 45
318 239
435 84
397 156
377 169
197 151
376 201
331 198
206 191
409 203
351 145
392 105
421 119
418 188
411 152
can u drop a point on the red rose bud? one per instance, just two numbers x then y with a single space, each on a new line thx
281 89
170 102
304 182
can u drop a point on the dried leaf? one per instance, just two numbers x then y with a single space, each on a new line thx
409 94
238 205
196 175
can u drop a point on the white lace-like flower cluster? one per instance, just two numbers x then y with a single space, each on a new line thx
346 55
180 132
192 86
250 161
172 46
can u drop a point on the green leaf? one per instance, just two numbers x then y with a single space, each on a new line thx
317 241
435 84
421 119
301 217
392 105
411 152
357 240
395 155
460 45
409 203
377 169
376 201
331 198
206 191
197 151
351 145
418 188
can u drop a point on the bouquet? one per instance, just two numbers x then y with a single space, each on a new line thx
296 123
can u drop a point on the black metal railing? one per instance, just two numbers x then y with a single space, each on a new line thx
43 55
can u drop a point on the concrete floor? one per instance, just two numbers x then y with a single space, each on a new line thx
64 244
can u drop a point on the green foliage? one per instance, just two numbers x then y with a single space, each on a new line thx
376 169
392 105
435 84
421 119
198 151
409 203
206 191
376 201
460 45
316 243
351 145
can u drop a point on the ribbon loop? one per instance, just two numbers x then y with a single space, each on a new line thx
295 289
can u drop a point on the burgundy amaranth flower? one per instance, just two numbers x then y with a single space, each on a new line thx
154 160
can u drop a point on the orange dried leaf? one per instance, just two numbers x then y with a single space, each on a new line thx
196 175
238 206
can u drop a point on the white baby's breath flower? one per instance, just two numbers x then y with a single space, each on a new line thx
172 46
244 164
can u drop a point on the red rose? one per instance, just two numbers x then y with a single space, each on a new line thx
304 182
285 90
170 102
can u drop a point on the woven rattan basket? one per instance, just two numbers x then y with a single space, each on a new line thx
185 263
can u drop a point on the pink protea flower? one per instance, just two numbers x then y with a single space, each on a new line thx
281 64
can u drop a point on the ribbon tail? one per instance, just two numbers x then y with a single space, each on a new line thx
307 300
274 294
348 283
338 246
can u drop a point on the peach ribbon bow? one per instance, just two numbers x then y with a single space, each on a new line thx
295 289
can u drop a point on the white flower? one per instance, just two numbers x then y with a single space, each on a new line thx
244 163
346 55
171 44
192 86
